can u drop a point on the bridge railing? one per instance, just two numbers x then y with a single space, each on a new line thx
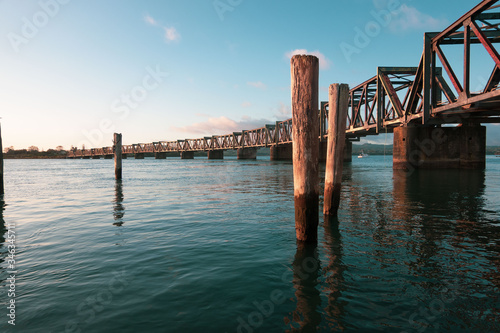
452 94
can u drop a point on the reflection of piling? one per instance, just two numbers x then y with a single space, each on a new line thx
334 281
118 209
306 273
118 155
305 77
2 192
337 118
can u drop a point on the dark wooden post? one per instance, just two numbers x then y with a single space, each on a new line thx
2 192
337 118
118 155
305 82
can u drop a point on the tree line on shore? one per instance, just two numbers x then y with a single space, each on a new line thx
34 152
60 152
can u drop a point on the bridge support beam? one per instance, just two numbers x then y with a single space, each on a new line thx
305 91
139 156
86 157
282 152
108 157
461 147
187 155
215 154
246 153
161 156
96 157
347 151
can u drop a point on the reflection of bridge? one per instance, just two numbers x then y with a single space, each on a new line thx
412 102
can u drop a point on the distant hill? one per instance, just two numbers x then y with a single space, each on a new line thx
30 154
493 150
371 149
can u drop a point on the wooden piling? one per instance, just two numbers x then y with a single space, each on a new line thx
2 192
337 117
305 82
118 155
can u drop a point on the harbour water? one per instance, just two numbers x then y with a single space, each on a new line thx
209 246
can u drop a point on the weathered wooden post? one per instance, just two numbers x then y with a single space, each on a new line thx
305 82
118 155
337 118
2 192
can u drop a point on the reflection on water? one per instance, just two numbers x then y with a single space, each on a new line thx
444 212
306 272
118 208
3 230
411 253
334 275
438 191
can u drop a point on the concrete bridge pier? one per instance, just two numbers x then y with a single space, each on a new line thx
282 152
246 153
139 156
461 147
347 151
161 156
215 154
187 155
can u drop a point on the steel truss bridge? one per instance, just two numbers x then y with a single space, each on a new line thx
430 94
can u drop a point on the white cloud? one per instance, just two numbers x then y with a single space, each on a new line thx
258 85
222 125
150 20
284 111
246 104
324 63
410 18
171 34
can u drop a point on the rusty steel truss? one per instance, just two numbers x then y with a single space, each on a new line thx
269 135
430 94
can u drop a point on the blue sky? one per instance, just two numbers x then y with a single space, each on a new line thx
75 71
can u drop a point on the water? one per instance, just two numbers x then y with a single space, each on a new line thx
209 246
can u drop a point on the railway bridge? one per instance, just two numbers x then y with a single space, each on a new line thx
435 117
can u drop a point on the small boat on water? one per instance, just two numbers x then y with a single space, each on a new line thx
362 155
